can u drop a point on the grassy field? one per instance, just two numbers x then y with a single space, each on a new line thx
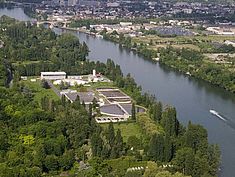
38 91
127 129
178 46
181 41
217 38
102 85
125 162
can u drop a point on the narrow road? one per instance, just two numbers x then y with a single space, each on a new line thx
57 92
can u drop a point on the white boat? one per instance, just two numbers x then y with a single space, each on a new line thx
217 114
213 112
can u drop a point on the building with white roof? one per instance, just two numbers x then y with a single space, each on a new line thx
53 75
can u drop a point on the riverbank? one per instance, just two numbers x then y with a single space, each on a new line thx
187 61
191 62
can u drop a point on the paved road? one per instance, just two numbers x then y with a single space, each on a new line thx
57 92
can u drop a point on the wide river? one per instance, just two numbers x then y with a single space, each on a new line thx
192 98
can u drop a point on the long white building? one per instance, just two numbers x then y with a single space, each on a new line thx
53 75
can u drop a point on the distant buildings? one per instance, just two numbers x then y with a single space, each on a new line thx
53 75
173 30
62 2
230 42
72 2
221 31
125 23
89 3
113 4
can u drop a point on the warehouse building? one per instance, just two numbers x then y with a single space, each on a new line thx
53 75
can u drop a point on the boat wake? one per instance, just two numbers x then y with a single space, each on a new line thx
229 122
217 115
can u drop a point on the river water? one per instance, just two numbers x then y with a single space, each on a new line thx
192 98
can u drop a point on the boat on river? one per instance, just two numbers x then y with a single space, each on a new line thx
215 113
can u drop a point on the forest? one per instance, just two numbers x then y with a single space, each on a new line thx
53 137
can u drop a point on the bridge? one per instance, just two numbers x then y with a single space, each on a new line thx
54 23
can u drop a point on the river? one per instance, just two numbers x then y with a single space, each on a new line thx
192 98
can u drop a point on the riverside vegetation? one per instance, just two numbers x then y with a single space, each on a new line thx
49 136
186 60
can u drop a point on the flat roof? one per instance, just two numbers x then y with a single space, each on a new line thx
113 93
53 73
112 109
87 97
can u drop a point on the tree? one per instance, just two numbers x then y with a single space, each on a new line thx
77 102
51 163
200 166
67 160
45 84
170 122
134 142
94 103
100 167
168 149
3 141
97 145
156 148
213 159
133 111
90 113
158 115
184 161
118 143
63 100
196 137
110 134
34 172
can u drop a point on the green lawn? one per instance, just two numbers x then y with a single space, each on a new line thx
127 129
126 162
123 163
38 91
102 85
176 42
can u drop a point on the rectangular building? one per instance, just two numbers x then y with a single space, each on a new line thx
86 97
53 75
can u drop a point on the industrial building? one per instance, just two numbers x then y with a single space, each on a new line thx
53 75
86 97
